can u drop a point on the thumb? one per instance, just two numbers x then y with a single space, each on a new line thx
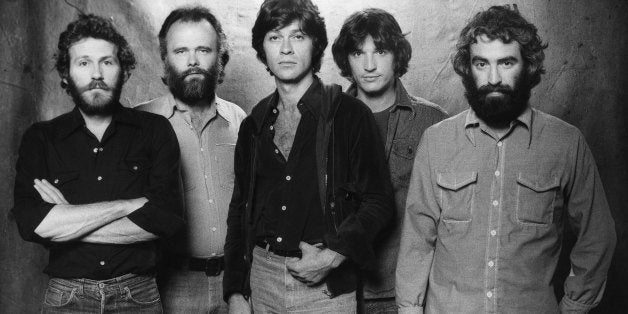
306 248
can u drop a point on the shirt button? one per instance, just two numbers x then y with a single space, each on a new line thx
499 144
495 203
274 110
493 232
279 239
271 128
102 263
205 176
202 149
99 178
56 181
135 168
276 151
95 150
283 207
497 173
214 229
100 149
211 201
491 264
213 254
489 294
288 178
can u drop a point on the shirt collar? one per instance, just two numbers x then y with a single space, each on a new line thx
311 99
75 120
402 98
525 119
218 108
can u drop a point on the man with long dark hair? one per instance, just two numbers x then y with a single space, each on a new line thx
194 49
311 186
97 185
494 187
373 53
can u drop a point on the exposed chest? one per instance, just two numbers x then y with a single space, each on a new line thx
285 130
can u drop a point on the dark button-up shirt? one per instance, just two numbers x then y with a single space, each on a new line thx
485 218
137 157
287 191
409 117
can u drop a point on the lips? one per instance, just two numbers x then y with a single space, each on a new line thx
370 78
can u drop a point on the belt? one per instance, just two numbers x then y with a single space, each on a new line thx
285 253
211 266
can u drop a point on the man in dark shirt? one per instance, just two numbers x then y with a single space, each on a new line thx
98 184
372 52
311 185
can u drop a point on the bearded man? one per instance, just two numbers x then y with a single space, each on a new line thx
494 187
194 50
97 185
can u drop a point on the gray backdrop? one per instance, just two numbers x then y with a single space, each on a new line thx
585 85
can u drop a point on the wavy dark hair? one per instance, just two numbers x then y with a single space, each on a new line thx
505 24
276 14
89 25
196 14
386 33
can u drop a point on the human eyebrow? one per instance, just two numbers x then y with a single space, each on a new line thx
478 59
507 59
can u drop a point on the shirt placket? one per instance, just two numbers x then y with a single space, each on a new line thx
210 173
492 252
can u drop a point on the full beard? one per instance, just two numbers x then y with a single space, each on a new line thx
98 104
501 109
194 89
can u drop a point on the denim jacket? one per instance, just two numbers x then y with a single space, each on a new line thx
409 117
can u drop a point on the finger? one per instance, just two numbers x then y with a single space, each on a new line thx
55 190
43 195
45 186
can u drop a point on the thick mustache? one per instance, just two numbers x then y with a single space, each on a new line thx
504 89
194 71
95 84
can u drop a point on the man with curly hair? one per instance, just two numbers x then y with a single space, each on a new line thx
494 187
97 185
194 50
373 53
311 186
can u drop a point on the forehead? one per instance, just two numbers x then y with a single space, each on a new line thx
490 49
184 33
92 48
292 27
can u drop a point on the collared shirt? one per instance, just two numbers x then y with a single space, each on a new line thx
485 218
138 156
287 190
206 172
409 117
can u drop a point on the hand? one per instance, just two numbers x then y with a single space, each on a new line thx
314 265
238 305
49 193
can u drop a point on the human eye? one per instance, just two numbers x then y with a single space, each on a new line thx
479 64
82 63
356 53
273 37
204 50
380 52
508 64
299 36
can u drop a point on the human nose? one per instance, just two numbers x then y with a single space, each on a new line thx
286 47
369 63
192 59
495 78
97 72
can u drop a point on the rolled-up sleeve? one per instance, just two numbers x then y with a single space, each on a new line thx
418 234
162 214
590 217
29 209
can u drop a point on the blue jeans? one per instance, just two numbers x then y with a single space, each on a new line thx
184 291
274 290
125 294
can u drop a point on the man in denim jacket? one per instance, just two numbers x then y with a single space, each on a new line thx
493 187
373 53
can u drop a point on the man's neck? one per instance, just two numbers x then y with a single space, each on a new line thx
291 92
97 124
198 108
378 102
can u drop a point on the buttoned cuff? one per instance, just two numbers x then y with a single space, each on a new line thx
572 307
411 310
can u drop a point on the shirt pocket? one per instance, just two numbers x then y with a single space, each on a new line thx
535 199
224 162
401 160
132 173
457 191
65 181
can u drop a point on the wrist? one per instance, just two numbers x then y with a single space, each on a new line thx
336 258
236 297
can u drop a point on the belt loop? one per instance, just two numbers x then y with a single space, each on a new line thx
267 251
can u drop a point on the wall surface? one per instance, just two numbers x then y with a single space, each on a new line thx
585 84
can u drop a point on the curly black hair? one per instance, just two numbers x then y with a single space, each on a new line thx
505 24
89 25
276 14
196 14
386 33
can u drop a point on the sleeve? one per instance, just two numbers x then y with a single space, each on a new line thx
375 203
235 243
418 234
162 214
29 209
590 217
